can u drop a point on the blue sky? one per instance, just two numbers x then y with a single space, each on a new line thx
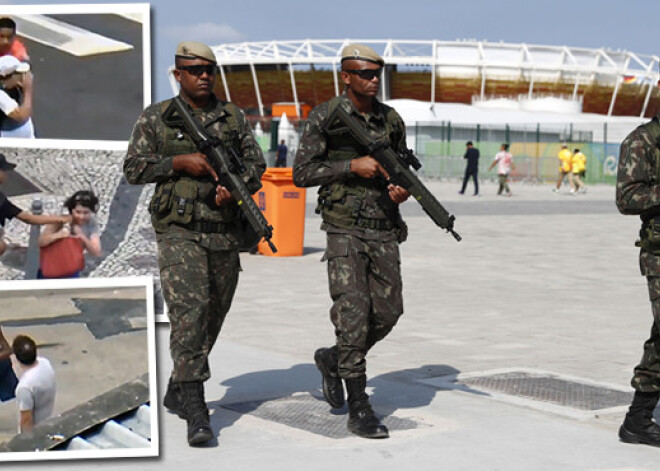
632 25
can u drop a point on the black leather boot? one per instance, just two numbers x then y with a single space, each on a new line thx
638 426
361 418
197 414
333 389
172 400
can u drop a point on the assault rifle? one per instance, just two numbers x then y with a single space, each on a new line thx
226 163
397 166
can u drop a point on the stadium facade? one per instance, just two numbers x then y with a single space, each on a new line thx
255 75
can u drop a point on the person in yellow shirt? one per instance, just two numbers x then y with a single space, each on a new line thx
578 166
564 157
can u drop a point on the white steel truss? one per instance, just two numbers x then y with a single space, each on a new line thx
458 58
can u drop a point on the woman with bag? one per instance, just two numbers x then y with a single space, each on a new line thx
62 246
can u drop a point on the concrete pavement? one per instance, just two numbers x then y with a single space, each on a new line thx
540 281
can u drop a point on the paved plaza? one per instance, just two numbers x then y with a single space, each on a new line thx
542 284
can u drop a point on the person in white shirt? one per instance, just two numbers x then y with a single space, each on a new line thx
36 390
16 91
504 161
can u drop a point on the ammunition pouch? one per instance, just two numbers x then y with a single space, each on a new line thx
649 236
173 203
340 204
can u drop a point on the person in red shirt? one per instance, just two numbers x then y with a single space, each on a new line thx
9 43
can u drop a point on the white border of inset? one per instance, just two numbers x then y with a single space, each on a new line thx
124 9
82 283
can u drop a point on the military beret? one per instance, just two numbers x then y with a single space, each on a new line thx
194 50
361 52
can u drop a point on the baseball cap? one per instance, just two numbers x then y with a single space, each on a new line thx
9 65
4 165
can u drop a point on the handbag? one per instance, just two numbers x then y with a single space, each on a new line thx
62 258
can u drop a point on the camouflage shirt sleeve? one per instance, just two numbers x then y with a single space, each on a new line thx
253 157
143 163
400 143
636 189
311 166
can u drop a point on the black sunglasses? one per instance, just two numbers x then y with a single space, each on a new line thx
366 74
198 70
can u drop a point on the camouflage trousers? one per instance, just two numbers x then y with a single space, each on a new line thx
198 286
365 286
646 377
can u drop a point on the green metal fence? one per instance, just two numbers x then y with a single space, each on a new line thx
441 146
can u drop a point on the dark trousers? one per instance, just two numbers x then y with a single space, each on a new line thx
471 172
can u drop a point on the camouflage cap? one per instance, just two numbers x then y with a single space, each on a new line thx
361 52
194 50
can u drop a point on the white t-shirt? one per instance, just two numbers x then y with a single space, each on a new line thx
503 160
36 390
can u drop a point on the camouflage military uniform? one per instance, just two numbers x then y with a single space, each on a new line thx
638 192
199 261
363 229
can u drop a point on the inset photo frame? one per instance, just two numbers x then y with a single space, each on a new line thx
79 379
90 68
51 179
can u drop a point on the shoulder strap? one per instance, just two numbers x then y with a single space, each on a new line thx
333 103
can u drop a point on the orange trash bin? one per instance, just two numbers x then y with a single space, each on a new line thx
283 205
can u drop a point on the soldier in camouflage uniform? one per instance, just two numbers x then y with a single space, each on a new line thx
638 192
195 220
363 225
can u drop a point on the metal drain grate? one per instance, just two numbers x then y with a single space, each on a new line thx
549 388
306 412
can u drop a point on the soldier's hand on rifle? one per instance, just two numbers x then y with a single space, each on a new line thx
193 164
222 195
368 167
397 193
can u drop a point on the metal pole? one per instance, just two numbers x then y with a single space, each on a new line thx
32 260
433 67
483 82
616 91
256 88
336 79
223 77
646 100
293 89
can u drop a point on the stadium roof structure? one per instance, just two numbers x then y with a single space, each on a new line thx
473 59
